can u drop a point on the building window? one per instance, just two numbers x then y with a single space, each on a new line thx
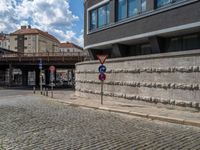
99 17
128 8
190 42
187 42
93 21
122 10
143 5
133 7
103 15
161 3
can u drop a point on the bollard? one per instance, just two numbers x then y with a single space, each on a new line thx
43 93
33 89
52 91
46 91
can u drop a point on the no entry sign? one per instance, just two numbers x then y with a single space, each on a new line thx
102 77
52 68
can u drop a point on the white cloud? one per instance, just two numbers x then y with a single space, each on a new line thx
53 16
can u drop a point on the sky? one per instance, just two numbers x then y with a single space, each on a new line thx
61 18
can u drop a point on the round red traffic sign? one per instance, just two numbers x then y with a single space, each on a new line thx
102 77
52 68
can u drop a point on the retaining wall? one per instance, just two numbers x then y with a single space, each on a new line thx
171 78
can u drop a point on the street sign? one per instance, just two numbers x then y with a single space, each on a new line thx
52 68
102 69
40 64
102 58
52 78
102 77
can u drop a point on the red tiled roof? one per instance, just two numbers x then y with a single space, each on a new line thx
34 31
70 45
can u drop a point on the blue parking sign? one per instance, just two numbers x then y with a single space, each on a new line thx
40 64
102 69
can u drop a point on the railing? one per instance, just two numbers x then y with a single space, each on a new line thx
44 54
47 55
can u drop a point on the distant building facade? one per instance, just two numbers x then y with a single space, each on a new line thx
4 41
31 40
122 28
70 47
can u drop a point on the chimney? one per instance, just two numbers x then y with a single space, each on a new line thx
23 27
29 26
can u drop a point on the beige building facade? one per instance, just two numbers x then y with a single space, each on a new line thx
70 47
4 41
28 40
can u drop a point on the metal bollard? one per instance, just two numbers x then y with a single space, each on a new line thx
51 91
46 91
34 90
43 93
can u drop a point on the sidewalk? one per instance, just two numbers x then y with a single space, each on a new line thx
134 108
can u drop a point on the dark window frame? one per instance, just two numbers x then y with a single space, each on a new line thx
127 15
167 4
107 5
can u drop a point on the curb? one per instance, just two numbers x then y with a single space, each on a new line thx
142 115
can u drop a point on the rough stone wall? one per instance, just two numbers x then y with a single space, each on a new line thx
172 78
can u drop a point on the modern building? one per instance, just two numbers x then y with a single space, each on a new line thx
123 28
29 40
70 47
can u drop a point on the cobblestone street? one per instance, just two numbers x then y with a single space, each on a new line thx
32 122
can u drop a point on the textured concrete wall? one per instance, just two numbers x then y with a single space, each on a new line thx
172 78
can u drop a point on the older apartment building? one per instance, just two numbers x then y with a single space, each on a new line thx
123 28
70 47
4 41
29 40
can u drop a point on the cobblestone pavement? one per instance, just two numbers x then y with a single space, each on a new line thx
31 122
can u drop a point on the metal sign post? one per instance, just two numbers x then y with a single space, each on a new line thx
52 70
102 77
102 71
40 67
101 92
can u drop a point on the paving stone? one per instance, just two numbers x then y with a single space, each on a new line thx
33 123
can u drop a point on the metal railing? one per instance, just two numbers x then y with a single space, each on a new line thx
45 55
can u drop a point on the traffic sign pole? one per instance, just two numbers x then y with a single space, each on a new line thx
101 92
102 71
52 70
40 67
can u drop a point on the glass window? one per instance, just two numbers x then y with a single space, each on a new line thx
100 17
143 5
121 10
160 3
128 8
132 7
103 15
190 42
93 20
107 13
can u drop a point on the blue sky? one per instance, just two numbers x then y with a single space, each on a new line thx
61 18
